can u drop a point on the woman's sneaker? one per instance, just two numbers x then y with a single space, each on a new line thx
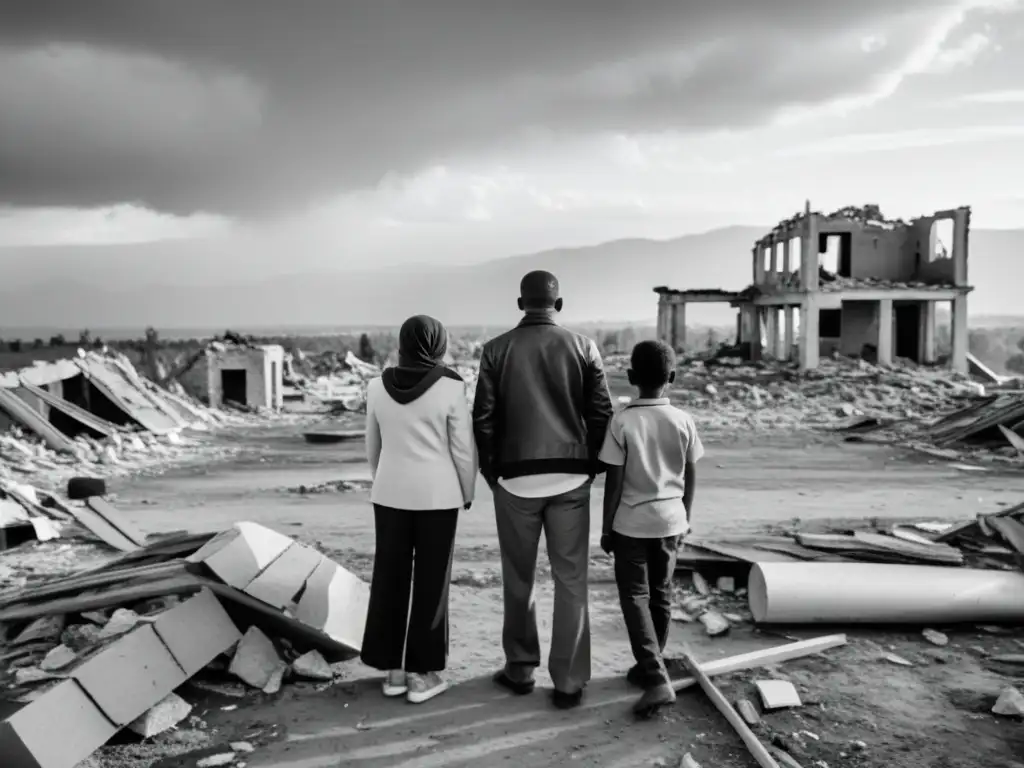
425 687
395 684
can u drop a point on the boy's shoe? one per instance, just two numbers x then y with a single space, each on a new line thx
425 687
563 700
395 684
654 699
676 669
519 688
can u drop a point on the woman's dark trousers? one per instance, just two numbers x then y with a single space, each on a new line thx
413 555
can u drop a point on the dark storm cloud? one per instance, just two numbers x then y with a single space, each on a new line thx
259 106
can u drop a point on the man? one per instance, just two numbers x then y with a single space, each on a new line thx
540 414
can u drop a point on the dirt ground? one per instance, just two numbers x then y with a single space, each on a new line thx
859 709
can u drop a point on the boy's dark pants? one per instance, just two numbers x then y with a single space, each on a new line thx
643 574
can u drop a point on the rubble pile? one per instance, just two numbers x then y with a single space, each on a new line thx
134 643
734 393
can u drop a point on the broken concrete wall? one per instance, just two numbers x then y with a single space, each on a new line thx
934 268
860 327
879 253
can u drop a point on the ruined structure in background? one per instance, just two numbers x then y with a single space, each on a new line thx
851 282
245 374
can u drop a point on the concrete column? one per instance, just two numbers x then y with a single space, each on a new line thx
787 257
772 331
790 331
809 255
773 262
664 320
961 230
678 327
758 264
926 337
958 359
810 341
885 328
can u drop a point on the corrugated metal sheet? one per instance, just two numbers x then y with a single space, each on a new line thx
126 396
92 421
31 420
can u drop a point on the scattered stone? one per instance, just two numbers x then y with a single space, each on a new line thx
899 660
58 658
96 617
688 762
693 604
123 620
935 637
213 761
735 618
858 746
715 624
1009 704
45 628
242 746
726 583
678 614
700 584
777 694
276 680
313 666
256 661
161 717
78 637
748 712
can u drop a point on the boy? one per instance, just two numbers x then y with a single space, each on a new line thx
651 450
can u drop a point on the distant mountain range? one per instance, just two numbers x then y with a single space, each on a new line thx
136 286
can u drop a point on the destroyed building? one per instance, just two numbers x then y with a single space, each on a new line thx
246 374
850 282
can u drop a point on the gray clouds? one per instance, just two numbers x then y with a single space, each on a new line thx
257 107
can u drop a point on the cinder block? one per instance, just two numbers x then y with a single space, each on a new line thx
130 675
239 554
282 580
59 729
197 631
335 601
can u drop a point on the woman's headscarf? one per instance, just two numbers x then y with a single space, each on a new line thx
422 343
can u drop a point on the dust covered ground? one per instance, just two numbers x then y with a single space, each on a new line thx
859 709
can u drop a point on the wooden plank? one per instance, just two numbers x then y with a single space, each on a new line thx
929 552
750 740
183 583
77 584
103 508
103 530
753 659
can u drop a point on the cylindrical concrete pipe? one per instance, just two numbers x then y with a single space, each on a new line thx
882 593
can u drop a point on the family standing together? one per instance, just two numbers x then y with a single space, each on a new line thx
542 428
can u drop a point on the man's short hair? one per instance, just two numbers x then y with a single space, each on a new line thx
538 289
652 362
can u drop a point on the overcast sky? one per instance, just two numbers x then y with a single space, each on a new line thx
345 132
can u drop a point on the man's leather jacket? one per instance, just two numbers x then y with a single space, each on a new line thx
542 402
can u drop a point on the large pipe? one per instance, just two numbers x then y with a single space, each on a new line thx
869 593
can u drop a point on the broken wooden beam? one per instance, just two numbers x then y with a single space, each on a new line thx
764 657
749 738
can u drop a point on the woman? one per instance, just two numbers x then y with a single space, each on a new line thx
419 440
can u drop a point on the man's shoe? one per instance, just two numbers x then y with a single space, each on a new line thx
635 676
654 699
563 700
519 688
